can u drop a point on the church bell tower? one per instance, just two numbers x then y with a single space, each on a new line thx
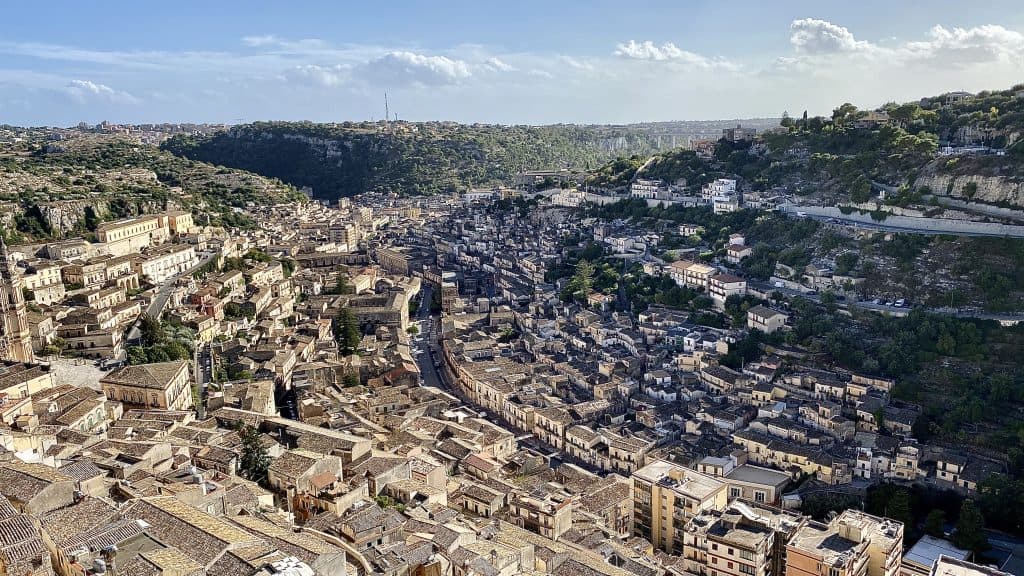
15 338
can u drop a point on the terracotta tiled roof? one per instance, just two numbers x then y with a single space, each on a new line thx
156 376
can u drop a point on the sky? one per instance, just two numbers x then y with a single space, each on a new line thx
510 62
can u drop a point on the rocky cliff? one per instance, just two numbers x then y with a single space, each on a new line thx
975 187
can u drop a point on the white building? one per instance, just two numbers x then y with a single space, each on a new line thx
720 187
647 189
721 286
165 262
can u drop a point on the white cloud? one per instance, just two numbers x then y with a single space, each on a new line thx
497 65
410 68
813 36
318 75
815 41
667 52
83 90
258 41
646 50
576 64
963 46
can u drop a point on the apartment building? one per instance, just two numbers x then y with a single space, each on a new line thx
746 539
90 274
666 497
179 221
267 274
719 187
646 189
765 319
735 253
21 380
44 279
692 274
852 544
817 549
948 566
165 262
883 536
549 515
721 286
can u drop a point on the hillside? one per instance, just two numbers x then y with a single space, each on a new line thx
835 159
52 189
338 160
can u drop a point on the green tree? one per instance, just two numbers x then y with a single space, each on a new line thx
346 331
413 329
970 529
844 113
899 507
255 461
137 355
935 523
579 285
341 285
152 331
289 267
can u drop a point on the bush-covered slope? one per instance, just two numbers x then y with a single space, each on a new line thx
338 160
55 189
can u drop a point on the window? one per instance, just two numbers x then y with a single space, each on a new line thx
714 560
735 492
714 546
746 554
759 496
746 569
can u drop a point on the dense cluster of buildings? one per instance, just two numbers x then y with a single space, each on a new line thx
482 425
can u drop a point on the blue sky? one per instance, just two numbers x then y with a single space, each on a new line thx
479 61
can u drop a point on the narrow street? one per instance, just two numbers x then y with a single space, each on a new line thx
428 348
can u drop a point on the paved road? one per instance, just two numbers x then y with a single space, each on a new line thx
430 324
440 378
156 306
868 305
203 361
905 224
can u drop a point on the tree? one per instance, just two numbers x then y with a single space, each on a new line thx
255 461
152 331
413 329
899 507
346 331
341 286
137 355
970 529
289 267
580 283
879 418
843 113
935 523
